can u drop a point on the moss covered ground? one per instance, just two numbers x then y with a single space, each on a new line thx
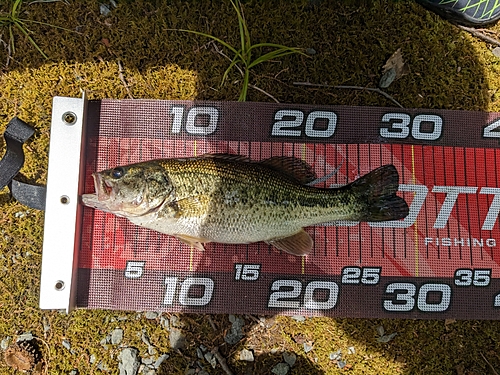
132 52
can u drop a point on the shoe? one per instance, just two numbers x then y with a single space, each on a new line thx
465 12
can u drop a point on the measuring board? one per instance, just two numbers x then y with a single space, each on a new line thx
441 261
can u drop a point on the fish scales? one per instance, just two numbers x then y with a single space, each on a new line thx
229 199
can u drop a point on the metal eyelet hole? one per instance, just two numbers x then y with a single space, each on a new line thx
69 118
64 199
59 285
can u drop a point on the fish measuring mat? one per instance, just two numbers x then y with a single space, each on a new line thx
441 261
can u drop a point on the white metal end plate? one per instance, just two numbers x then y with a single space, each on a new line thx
61 228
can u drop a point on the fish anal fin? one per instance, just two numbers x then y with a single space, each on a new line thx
292 167
299 244
194 242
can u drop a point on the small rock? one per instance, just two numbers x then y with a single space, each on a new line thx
289 358
335 356
380 330
307 347
66 344
341 364
496 51
387 338
73 372
160 360
246 355
4 344
199 353
190 371
210 358
129 361
299 318
177 339
148 361
281 368
116 336
92 359
351 350
235 334
310 51
151 315
151 350
27 336
165 322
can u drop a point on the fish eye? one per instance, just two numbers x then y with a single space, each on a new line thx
118 172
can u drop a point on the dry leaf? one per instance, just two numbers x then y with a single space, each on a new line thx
394 68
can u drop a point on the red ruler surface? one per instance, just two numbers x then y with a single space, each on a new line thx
442 261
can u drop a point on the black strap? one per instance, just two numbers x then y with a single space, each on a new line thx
15 135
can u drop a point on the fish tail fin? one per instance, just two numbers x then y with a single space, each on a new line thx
377 191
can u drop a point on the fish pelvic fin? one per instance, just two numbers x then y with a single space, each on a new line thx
377 191
194 242
299 244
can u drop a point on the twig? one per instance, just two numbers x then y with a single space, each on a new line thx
264 92
212 324
480 35
122 78
489 364
377 90
221 360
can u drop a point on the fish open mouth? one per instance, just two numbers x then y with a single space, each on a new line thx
103 188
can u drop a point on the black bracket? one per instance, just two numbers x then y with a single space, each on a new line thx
15 135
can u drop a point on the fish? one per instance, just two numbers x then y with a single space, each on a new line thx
232 199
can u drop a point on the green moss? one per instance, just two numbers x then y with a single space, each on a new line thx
448 69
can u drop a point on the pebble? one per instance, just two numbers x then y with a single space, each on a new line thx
160 360
92 359
27 336
148 361
335 356
151 315
299 318
307 347
341 364
129 361
176 338
73 372
66 344
210 358
496 51
165 322
4 344
289 358
351 350
246 355
281 368
116 336
235 334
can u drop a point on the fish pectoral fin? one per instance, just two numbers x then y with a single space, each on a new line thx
190 206
196 243
299 244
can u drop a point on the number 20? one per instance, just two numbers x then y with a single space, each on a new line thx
287 122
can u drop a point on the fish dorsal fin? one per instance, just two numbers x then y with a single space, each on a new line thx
292 167
224 156
299 244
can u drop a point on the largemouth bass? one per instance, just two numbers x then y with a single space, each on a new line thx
230 199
